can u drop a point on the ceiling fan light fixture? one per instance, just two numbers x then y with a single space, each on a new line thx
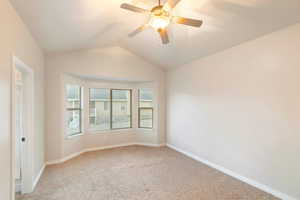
159 22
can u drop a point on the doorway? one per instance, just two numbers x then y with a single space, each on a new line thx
22 128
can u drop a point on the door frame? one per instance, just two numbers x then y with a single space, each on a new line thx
27 161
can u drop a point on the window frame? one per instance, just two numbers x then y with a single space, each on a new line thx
89 111
144 108
139 117
110 109
75 109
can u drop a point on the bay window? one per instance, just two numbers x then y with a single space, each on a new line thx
108 109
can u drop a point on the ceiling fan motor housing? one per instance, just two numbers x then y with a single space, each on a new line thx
159 11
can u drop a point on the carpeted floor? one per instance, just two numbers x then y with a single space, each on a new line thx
139 173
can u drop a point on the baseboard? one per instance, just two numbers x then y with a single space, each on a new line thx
108 147
235 175
150 145
53 162
38 177
69 157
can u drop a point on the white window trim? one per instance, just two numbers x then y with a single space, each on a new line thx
81 112
69 80
155 107
110 131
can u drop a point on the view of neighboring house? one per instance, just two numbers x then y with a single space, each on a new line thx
102 102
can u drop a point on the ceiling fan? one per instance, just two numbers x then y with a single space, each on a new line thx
160 18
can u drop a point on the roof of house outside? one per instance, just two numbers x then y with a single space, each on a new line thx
73 91
146 94
99 94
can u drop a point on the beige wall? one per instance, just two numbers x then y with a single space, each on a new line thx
16 40
240 109
113 64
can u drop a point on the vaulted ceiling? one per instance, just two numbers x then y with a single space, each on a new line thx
65 25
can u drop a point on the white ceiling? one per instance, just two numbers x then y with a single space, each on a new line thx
63 25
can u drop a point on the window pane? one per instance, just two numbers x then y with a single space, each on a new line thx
146 98
73 101
145 108
121 109
73 96
99 115
146 117
73 122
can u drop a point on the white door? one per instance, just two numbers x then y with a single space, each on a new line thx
19 102
19 130
22 118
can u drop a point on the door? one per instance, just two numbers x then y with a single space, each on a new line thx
22 179
19 117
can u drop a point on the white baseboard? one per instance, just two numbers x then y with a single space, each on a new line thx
108 147
54 162
150 145
235 175
36 180
98 149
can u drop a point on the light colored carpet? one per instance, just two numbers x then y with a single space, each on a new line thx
139 173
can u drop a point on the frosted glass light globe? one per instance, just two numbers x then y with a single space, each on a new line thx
159 22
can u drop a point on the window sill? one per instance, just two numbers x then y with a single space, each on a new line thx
145 130
74 136
111 131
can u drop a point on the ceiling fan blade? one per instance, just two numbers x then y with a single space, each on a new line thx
138 30
133 8
171 4
187 21
164 35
